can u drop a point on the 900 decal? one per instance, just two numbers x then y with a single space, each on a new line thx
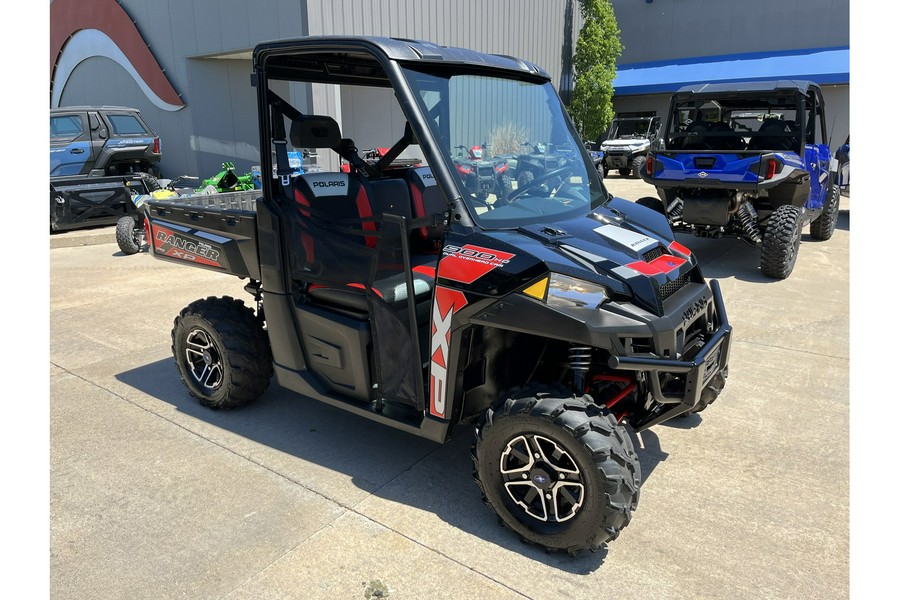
466 264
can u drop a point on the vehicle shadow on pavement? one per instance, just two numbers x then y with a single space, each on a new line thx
381 461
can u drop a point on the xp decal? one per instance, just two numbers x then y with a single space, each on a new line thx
446 302
174 245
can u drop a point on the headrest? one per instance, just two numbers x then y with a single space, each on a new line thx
315 131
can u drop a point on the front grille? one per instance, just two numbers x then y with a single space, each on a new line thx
653 254
673 286
485 171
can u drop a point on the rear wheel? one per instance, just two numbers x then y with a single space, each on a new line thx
652 203
637 165
557 470
222 352
781 242
823 226
129 235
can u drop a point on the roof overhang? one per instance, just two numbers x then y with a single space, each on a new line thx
824 66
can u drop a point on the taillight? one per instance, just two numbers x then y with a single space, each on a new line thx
770 168
650 164
155 145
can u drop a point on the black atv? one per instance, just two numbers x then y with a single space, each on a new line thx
554 322
482 176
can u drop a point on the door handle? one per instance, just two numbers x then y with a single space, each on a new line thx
77 150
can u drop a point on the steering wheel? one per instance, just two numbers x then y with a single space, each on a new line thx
539 180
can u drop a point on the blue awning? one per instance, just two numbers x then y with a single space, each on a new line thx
821 65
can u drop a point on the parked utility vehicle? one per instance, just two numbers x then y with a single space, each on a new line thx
627 144
100 157
748 160
550 318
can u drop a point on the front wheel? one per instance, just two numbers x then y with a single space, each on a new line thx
129 235
637 165
222 352
557 470
822 228
781 242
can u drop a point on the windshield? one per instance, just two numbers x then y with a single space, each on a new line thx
630 129
513 155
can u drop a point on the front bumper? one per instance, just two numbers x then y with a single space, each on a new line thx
618 159
698 372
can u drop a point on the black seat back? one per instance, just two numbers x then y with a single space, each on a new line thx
427 200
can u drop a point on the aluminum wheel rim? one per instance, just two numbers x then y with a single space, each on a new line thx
542 478
203 359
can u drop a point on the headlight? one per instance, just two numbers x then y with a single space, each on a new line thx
562 291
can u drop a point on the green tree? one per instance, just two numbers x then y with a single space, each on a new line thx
594 66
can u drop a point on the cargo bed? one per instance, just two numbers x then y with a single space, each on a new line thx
214 231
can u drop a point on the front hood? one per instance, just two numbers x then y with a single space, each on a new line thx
625 142
624 246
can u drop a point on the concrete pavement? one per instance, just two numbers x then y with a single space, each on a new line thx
153 496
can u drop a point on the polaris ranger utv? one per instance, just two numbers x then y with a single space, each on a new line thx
551 319
627 144
748 160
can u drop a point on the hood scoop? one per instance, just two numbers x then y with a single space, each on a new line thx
630 242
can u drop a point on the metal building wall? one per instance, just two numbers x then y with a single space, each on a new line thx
665 30
670 29
204 48
535 30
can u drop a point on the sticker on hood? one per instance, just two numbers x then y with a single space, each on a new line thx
629 240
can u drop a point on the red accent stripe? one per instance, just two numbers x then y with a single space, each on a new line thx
658 266
425 270
365 212
309 244
300 199
676 247
362 287
419 207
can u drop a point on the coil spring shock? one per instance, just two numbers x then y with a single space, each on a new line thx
579 363
748 217
675 209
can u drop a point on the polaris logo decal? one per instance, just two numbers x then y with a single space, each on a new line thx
702 174
468 263
328 184
694 309
446 303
